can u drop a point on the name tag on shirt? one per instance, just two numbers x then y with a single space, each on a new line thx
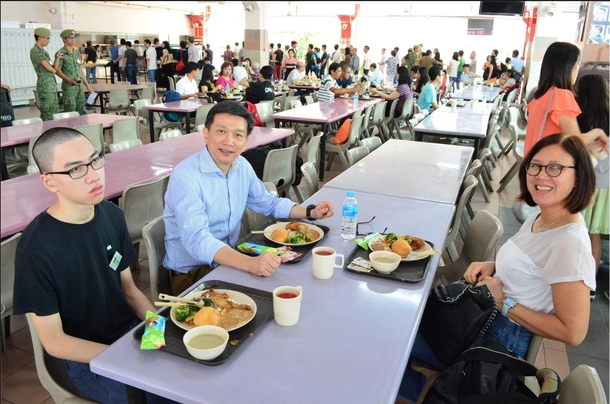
116 260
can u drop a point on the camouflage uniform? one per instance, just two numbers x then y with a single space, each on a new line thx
74 96
46 85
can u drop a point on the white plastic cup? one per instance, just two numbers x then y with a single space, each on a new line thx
324 262
287 305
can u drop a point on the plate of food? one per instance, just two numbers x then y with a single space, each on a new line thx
293 233
346 96
405 246
233 310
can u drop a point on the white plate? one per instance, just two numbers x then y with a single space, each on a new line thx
237 297
282 225
410 257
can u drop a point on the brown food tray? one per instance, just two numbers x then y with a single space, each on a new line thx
262 240
407 271
174 334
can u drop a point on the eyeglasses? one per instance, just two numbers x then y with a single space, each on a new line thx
367 222
81 170
553 170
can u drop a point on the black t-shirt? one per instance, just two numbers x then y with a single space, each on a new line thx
131 56
91 54
279 55
260 92
68 269
210 54
308 58
158 51
206 83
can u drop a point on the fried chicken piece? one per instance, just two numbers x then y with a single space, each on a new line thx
296 226
416 242
222 300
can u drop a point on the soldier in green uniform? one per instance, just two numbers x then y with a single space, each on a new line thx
46 85
69 69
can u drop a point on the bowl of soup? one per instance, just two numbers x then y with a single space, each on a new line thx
206 342
384 261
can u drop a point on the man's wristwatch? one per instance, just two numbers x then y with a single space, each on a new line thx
308 212
508 304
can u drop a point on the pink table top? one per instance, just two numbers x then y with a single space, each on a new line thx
189 105
173 151
107 87
25 197
324 111
16 135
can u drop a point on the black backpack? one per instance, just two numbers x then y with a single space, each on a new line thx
488 372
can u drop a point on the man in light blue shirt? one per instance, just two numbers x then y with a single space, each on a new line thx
206 198
376 75
427 97
517 65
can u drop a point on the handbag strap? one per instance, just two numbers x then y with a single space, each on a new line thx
546 114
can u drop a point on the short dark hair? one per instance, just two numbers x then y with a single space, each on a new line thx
434 72
267 72
515 53
271 44
333 67
147 41
88 43
231 108
128 44
279 45
293 42
465 65
190 39
235 62
583 190
190 67
136 41
123 42
43 150
182 44
336 46
155 40
207 59
415 69
373 65
461 53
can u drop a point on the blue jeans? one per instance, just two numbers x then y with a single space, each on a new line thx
151 75
132 71
91 75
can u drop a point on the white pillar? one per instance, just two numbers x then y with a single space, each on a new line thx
545 35
256 41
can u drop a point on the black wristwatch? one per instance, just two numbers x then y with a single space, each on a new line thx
308 212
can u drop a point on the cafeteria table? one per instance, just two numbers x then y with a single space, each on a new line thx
19 135
24 197
452 124
173 151
186 107
469 107
352 341
477 92
414 170
322 113
103 89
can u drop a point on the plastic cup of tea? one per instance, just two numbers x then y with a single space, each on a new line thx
287 304
324 262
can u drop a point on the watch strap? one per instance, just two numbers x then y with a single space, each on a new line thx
308 212
507 304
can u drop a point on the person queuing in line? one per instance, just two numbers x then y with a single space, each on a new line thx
46 85
355 61
316 59
289 63
150 59
308 59
187 85
473 62
121 58
337 54
72 274
376 76
323 61
403 92
167 64
278 57
114 58
91 56
460 66
347 56
345 79
392 65
427 97
261 90
226 77
228 54
382 64
293 46
541 287
329 88
68 68
296 74
366 60
206 198
452 70
491 71
131 63
182 54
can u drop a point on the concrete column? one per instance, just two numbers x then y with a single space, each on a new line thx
544 37
256 37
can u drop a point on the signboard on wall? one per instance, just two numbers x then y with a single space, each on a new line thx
480 26
600 27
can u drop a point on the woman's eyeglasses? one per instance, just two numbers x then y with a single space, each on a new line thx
553 170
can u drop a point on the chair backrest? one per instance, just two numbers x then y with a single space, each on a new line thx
356 154
172 84
199 128
467 189
370 143
517 151
265 110
392 110
474 168
168 134
279 168
582 385
313 149
64 115
532 351
314 95
295 104
512 95
482 237
311 177
143 203
309 99
355 130
128 144
139 107
153 234
202 114
53 374
416 108
270 187
95 134
118 99
26 121
287 101
149 93
126 129
484 154
379 113
31 161
292 92
407 109
9 247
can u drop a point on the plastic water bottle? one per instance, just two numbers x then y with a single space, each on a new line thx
349 218
355 100
280 84
227 89
484 99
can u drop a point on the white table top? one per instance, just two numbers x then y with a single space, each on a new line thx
477 92
404 169
351 344
470 107
454 124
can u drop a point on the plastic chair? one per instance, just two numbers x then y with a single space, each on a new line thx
125 129
378 115
295 104
161 124
119 101
371 143
64 115
356 154
170 134
279 168
53 374
309 99
313 149
148 92
153 234
368 111
405 116
202 114
310 175
265 110
252 220
26 121
518 153
582 385
467 189
341 150
288 102
479 245
172 83
95 134
388 121
128 144
9 247
142 204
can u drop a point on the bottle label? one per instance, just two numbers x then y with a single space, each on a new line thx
350 211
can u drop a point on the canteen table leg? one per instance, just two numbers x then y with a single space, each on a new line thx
4 167
188 122
323 151
151 125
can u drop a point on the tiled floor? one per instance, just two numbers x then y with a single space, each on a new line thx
20 382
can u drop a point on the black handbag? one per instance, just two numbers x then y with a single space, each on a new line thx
456 316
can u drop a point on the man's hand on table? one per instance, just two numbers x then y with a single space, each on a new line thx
323 210
264 264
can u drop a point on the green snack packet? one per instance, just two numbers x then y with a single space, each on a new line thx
364 242
154 332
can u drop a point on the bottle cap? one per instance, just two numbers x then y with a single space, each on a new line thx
351 194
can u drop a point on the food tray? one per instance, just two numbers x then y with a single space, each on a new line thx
407 271
174 334
262 240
